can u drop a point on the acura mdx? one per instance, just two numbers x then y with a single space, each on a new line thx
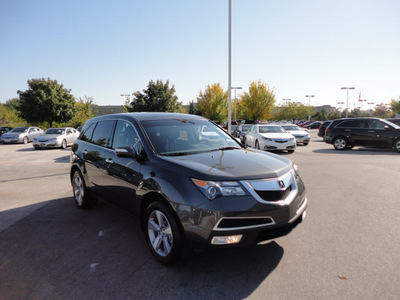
190 182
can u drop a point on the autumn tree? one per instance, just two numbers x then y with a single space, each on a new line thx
257 103
382 111
157 97
46 101
212 103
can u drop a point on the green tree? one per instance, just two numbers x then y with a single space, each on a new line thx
9 117
84 111
12 104
256 104
293 111
158 97
46 101
193 108
213 103
395 106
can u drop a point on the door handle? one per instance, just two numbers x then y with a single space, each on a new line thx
347 130
371 130
109 160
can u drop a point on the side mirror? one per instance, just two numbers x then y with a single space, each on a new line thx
386 127
126 152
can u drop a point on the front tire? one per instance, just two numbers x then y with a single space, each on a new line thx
163 235
81 196
25 140
340 143
257 145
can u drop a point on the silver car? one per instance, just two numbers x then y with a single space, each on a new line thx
56 138
21 135
302 135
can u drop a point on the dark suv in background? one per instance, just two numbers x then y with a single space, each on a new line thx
347 133
189 182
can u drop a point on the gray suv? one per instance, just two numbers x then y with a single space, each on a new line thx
190 183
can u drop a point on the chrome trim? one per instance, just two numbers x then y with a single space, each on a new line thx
243 227
300 211
273 184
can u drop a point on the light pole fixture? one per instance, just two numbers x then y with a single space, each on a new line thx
309 96
236 88
347 103
127 98
287 100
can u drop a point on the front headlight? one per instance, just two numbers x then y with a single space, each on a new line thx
214 189
296 170
54 139
267 139
291 139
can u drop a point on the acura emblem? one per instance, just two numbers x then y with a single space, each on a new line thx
281 184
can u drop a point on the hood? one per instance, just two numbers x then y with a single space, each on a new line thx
237 164
277 135
49 136
298 132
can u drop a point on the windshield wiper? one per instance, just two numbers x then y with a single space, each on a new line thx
178 153
227 148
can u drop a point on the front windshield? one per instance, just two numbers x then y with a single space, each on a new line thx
246 128
268 129
55 131
291 127
187 136
20 129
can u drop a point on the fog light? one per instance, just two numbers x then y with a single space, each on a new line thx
225 240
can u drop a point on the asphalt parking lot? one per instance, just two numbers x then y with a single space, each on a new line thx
347 247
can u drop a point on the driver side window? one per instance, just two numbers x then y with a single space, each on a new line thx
126 136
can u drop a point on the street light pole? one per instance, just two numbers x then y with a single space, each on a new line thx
347 103
127 98
309 96
229 70
236 88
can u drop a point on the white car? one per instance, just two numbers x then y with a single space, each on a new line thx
56 138
270 137
21 135
302 135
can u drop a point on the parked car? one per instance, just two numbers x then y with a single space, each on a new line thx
4 129
347 133
270 137
190 183
56 138
21 135
314 125
302 136
394 120
321 130
240 131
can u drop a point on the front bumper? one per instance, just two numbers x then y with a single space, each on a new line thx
272 145
46 144
13 140
303 139
253 217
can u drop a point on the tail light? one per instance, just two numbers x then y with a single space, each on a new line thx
327 130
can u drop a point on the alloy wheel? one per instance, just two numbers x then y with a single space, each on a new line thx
160 233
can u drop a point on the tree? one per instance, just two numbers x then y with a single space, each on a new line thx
46 101
158 97
9 117
213 103
84 111
395 106
193 108
256 104
293 111
382 111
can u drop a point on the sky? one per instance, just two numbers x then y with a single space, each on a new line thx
105 49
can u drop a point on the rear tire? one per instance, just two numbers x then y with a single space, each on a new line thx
163 235
81 196
63 144
396 145
340 143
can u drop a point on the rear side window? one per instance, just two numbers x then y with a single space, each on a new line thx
349 124
103 133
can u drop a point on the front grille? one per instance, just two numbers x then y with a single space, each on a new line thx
274 195
280 141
